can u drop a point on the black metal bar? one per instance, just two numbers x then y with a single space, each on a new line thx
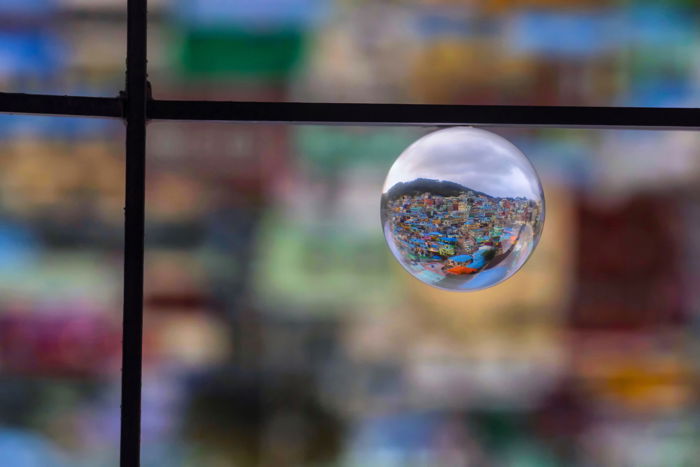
136 97
46 104
645 118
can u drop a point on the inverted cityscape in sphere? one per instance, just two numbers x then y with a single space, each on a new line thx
462 209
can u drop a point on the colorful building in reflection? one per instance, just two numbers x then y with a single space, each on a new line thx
463 233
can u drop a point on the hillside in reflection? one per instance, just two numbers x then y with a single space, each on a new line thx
444 229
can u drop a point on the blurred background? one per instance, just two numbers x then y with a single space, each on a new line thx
279 331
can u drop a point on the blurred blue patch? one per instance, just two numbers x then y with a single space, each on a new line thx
583 34
26 449
18 246
659 25
669 92
30 53
402 432
260 14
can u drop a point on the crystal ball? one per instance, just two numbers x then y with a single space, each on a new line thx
462 209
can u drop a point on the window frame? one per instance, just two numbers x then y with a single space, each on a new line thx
135 106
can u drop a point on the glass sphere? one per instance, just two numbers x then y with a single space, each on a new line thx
462 209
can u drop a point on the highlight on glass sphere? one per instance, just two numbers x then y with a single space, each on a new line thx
462 209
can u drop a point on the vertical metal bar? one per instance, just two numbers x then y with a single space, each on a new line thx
135 106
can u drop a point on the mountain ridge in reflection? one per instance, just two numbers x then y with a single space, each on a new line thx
438 187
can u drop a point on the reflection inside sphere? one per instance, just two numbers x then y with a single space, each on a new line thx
462 209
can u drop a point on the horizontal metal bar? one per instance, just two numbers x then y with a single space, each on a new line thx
45 104
429 115
645 118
